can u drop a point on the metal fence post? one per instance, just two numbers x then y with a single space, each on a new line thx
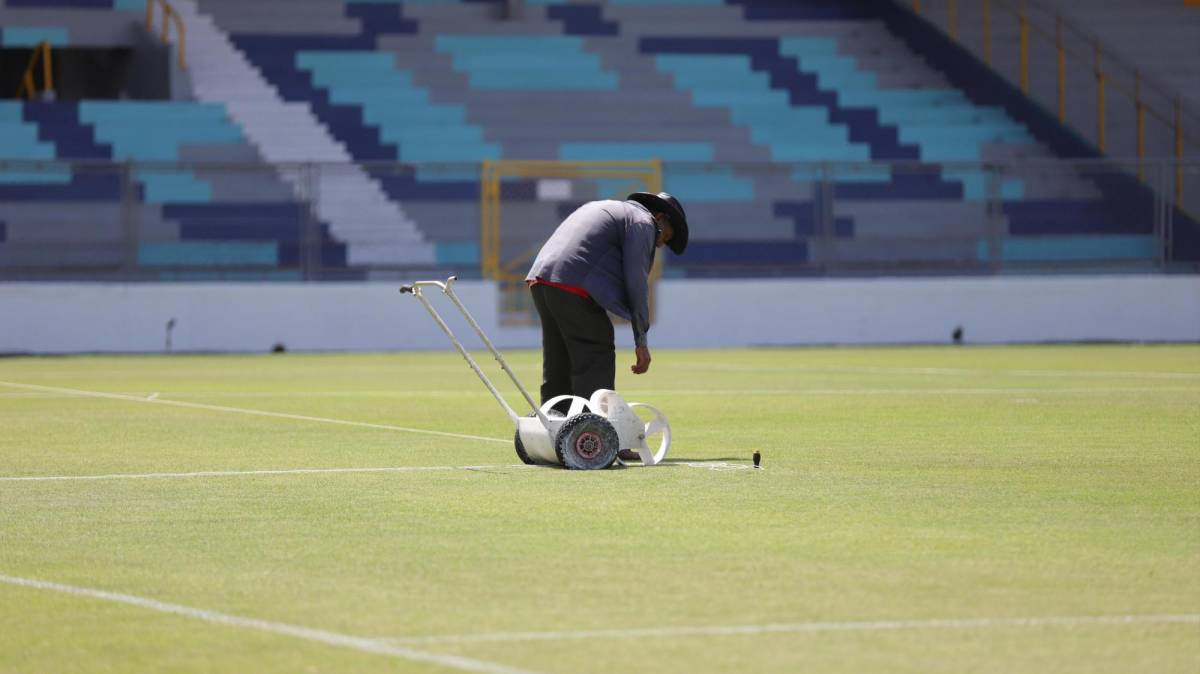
1100 125
1024 37
987 32
310 252
1140 112
1169 210
130 227
1062 69
826 226
995 220
313 185
1160 215
1179 151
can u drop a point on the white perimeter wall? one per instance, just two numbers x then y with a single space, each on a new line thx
70 317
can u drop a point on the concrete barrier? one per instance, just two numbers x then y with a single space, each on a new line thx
250 317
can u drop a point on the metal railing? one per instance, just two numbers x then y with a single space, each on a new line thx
1122 110
169 16
94 220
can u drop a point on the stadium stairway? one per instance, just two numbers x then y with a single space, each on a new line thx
375 228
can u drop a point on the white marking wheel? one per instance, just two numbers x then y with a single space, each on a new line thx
655 429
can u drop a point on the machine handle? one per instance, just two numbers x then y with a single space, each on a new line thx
410 289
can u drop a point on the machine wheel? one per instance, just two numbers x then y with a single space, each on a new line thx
521 449
521 446
587 442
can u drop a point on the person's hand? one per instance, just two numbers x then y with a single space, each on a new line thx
643 360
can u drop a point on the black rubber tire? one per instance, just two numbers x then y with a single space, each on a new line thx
520 446
576 431
521 449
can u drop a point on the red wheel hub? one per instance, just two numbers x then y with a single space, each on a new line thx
589 445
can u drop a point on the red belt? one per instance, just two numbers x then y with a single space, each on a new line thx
574 290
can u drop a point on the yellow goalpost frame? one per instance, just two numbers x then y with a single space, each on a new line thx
646 174
642 175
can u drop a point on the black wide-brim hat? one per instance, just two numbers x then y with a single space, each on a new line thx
665 203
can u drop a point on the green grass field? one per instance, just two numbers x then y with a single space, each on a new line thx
1007 509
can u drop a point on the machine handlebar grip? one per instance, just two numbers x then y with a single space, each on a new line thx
406 289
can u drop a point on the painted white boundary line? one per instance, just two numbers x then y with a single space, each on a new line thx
361 644
789 628
241 410
923 391
947 371
713 465
237 473
636 393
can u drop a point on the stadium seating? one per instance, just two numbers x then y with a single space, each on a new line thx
762 112
189 216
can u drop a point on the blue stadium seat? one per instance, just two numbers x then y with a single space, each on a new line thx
422 131
154 131
526 62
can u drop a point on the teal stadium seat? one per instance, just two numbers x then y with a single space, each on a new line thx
406 116
1083 248
19 141
681 175
32 36
155 131
942 123
526 62
792 133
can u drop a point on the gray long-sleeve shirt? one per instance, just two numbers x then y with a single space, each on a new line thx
606 248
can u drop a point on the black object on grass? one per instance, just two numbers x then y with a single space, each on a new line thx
757 458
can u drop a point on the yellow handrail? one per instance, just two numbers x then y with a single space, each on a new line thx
42 51
168 12
1159 112
646 174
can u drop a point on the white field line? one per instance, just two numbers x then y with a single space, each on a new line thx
712 465
239 473
277 394
239 410
802 628
634 394
916 391
361 644
945 371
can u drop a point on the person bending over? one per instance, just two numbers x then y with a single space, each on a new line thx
597 261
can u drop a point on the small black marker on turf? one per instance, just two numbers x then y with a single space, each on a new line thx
757 459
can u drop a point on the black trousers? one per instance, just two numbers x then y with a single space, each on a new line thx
578 348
